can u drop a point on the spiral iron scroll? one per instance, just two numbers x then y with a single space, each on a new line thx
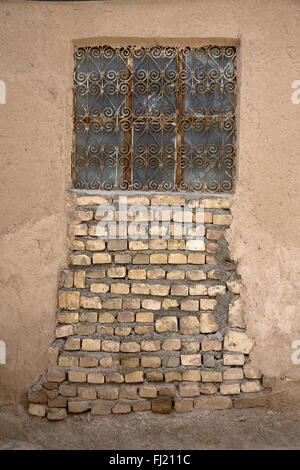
154 119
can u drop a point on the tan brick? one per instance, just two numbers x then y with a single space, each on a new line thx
108 393
192 375
177 258
211 345
235 315
69 300
169 303
167 200
130 362
235 373
158 258
77 245
66 279
117 272
147 391
140 288
144 405
138 245
95 378
67 361
212 403
68 317
176 274
198 289
195 275
112 304
90 302
130 347
76 376
91 344
91 200
189 325
150 345
251 386
105 330
150 304
123 330
79 230
98 288
191 359
145 317
158 244
230 389
156 274
183 406
56 414
214 234
95 245
222 219
88 362
208 323
234 286
137 274
106 317
52 356
236 341
195 245
207 304
171 345
161 405
252 372
208 388
79 279
72 344
190 305
121 408
166 324
216 203
117 245
84 216
180 290
37 410
80 260
120 288
128 393
136 376
176 244
191 346
96 274
78 406
150 361
143 329
188 390
101 409
141 258
211 376
159 289
196 258
122 258
216 290
110 346
233 359
101 258
130 303
63 331
173 376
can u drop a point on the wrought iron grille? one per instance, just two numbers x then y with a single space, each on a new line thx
154 119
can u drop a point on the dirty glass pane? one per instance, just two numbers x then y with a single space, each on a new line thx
154 118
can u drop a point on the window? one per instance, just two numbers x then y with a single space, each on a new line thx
154 119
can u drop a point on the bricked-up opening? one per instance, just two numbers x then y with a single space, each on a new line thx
154 118
153 323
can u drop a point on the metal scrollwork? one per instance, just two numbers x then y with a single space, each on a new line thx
154 118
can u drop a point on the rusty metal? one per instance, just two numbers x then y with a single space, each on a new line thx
157 118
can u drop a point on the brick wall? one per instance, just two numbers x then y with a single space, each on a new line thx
150 316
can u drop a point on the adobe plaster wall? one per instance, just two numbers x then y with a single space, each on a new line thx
36 141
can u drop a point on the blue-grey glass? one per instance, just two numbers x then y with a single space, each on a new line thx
154 83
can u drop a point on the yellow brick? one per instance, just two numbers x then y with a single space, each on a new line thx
158 258
69 300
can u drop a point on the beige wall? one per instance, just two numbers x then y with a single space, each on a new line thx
36 133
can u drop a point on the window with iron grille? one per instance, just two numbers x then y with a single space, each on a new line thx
154 118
